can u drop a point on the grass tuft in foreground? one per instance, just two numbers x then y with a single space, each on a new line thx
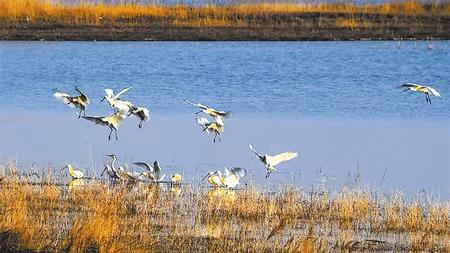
44 215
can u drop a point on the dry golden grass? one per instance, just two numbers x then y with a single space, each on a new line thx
98 217
199 16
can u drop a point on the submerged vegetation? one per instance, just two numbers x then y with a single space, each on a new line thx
38 214
34 19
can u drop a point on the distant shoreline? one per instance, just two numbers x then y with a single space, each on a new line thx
438 29
246 22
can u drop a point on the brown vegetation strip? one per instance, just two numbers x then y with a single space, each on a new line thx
97 217
34 20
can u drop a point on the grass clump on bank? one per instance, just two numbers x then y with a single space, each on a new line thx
38 19
201 15
42 215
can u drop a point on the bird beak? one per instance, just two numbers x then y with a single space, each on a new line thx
103 172
103 99
63 168
205 177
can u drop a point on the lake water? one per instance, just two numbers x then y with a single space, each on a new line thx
337 103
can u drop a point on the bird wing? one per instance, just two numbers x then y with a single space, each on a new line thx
283 157
121 92
202 121
109 93
409 85
158 171
204 107
83 96
65 98
96 120
254 151
434 92
239 172
141 112
145 166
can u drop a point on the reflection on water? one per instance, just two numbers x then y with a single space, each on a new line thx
74 184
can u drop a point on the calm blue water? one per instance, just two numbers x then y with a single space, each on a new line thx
337 103
308 79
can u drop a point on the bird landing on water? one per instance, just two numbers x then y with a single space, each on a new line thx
427 90
214 128
271 161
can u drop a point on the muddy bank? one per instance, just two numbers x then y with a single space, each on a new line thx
305 26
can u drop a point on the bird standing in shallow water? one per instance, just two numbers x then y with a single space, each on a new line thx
81 101
112 121
176 179
421 88
154 172
214 178
111 169
271 161
75 174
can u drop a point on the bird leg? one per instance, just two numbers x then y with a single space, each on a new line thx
219 138
406 90
215 135
115 131
140 124
268 173
429 98
198 112
110 132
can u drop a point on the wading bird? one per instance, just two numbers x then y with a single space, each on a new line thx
421 88
111 169
231 177
208 110
116 103
112 121
75 174
176 179
81 101
215 128
271 161
142 113
154 172
214 178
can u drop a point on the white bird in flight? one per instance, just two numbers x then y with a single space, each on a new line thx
421 88
125 106
231 177
142 113
81 101
112 121
154 172
271 161
75 174
116 103
214 128
208 110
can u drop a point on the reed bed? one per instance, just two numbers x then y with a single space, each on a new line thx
39 215
198 15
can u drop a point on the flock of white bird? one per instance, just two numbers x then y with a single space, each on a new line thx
230 178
